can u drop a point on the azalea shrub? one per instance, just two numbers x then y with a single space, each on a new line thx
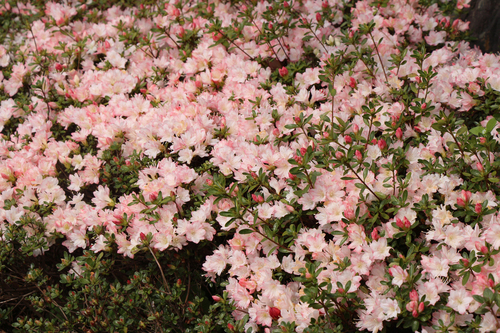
247 166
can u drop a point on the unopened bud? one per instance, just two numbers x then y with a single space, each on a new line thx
382 144
399 133
216 298
275 313
375 235
478 208
283 71
348 139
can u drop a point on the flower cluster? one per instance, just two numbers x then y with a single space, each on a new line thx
340 156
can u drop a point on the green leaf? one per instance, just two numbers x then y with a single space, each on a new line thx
245 231
490 125
479 130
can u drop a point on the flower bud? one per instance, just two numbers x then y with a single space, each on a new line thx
375 235
303 151
318 17
339 155
482 140
275 313
491 283
421 307
359 156
382 144
460 202
478 208
286 4
414 313
348 139
231 327
480 166
399 133
352 83
216 298
355 128
414 295
283 71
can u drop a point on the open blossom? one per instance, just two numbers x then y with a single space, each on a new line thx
459 300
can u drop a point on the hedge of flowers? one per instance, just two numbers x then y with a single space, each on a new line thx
246 166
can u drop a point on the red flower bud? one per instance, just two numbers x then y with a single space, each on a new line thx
231 327
283 71
339 155
286 4
216 298
59 67
460 202
465 262
352 83
375 234
348 139
303 151
355 128
479 166
318 17
421 307
382 144
143 236
358 154
399 133
479 208
275 313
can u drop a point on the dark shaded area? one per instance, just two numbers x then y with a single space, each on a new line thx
484 17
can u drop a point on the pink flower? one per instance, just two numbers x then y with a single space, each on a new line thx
459 300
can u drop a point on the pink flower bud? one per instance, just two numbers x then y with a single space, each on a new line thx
466 195
143 236
465 262
270 26
480 166
325 5
254 175
460 202
276 132
257 198
59 67
421 307
275 313
382 144
216 298
303 151
375 235
209 182
339 155
355 128
286 4
399 223
297 119
283 71
491 283
348 139
399 133
478 208
318 17
292 177
414 295
414 313
358 154
407 223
